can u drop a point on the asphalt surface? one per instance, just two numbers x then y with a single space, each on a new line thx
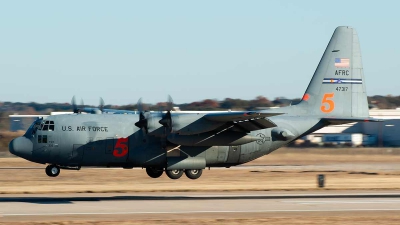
211 205
389 166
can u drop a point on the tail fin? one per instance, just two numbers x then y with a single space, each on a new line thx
337 88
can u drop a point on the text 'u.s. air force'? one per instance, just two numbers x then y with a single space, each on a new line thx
85 128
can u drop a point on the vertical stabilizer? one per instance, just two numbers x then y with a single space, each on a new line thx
337 88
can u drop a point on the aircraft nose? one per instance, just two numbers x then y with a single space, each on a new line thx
21 146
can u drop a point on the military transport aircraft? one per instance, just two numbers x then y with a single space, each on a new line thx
182 142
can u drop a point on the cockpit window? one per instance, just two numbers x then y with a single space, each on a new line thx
33 128
47 125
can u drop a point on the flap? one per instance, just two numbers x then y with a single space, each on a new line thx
343 120
253 124
238 116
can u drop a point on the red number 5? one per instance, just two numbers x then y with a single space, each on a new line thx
121 147
328 105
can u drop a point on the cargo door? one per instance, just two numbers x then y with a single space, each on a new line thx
222 154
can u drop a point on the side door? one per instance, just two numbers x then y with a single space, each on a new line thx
233 154
46 146
41 150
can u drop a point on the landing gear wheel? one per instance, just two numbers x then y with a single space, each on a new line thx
193 174
174 174
52 170
153 172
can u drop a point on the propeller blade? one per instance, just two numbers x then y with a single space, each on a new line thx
82 104
170 103
139 105
74 106
101 104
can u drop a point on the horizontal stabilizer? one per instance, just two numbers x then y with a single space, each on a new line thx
343 120
238 116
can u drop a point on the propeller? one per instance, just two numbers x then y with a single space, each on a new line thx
143 122
81 108
146 118
166 120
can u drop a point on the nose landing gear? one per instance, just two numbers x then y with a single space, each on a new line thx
52 170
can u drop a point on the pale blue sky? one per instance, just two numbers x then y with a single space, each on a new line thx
192 50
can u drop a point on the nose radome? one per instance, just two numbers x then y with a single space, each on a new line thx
21 146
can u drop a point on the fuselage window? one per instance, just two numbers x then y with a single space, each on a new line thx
44 140
39 139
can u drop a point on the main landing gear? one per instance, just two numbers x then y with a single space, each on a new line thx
52 170
193 174
154 172
174 174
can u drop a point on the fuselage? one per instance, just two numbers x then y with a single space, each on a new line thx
113 140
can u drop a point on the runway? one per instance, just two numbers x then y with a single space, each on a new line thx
194 205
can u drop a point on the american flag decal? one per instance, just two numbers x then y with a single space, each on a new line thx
342 62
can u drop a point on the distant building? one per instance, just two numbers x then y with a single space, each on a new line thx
386 133
22 122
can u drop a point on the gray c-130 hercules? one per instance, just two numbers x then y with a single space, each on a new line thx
184 142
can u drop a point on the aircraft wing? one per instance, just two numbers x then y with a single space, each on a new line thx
118 111
343 120
244 121
110 111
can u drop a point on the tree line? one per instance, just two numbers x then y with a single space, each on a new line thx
260 102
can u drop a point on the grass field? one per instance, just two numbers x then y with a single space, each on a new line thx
266 219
